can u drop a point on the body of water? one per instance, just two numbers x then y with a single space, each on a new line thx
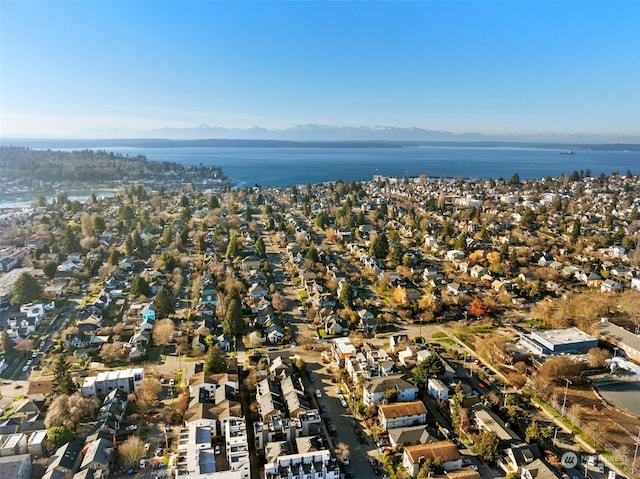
278 166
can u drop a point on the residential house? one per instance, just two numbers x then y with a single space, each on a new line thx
98 456
375 389
14 444
335 326
445 452
66 461
438 390
16 467
402 414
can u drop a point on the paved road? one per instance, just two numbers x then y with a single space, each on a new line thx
359 453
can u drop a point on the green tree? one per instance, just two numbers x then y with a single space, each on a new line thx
216 360
99 225
312 254
528 219
113 257
63 383
126 214
6 343
260 247
49 269
428 368
59 436
379 246
346 295
70 243
140 287
164 302
233 324
233 248
487 446
461 242
26 289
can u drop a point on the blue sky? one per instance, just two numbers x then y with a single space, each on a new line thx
495 67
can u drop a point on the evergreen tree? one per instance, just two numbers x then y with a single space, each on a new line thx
99 225
233 324
216 361
113 257
140 287
260 247
233 248
379 247
461 242
213 202
428 368
49 269
312 254
26 289
63 383
6 343
346 295
164 303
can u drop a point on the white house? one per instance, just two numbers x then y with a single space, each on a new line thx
438 390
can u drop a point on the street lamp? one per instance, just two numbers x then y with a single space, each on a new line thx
566 388
555 435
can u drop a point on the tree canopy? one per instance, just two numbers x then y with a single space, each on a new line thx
428 368
26 289
63 383
215 361
140 287
379 246
164 303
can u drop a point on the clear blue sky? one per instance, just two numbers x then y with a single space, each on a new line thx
494 67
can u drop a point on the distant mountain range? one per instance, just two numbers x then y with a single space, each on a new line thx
313 132
319 136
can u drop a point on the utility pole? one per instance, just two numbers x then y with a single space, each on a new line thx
564 403
635 454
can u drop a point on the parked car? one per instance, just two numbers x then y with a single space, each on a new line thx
318 394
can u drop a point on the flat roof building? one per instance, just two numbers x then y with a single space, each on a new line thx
558 341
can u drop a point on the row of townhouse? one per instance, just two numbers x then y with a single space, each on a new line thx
213 441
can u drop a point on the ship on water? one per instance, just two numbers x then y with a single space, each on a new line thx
568 152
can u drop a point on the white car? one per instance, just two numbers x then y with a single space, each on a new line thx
172 382
143 463
318 394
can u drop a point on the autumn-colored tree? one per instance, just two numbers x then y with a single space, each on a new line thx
68 411
112 352
597 357
342 452
163 331
517 380
131 451
559 367
478 308
147 392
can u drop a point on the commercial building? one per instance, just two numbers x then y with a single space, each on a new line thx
558 341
